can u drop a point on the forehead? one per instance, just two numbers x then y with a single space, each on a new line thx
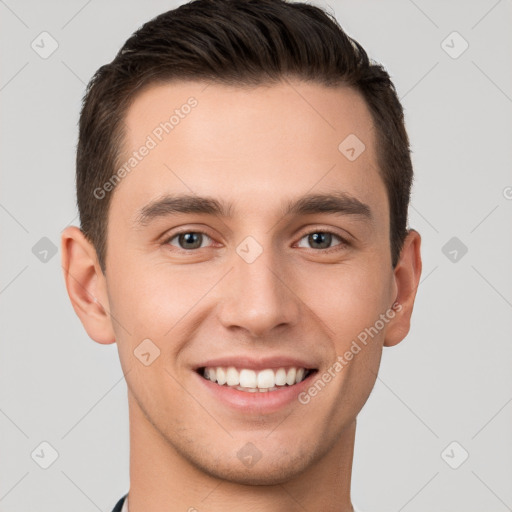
250 146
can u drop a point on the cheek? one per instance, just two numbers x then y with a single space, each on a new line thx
149 300
348 298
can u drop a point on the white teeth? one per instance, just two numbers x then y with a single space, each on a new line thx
266 379
290 376
221 376
281 377
248 379
232 376
252 381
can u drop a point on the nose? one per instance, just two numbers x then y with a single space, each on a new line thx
258 297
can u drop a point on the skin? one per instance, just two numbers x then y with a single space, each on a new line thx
254 148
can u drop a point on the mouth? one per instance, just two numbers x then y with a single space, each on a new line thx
255 381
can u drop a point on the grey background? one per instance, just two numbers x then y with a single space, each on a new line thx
450 380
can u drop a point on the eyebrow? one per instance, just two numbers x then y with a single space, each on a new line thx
339 203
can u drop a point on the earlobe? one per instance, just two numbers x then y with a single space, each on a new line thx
86 285
407 276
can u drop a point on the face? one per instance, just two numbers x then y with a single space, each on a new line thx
248 245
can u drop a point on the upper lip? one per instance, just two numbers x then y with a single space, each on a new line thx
257 363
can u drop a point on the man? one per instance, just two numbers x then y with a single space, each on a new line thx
243 180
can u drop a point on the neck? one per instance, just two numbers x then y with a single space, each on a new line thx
161 479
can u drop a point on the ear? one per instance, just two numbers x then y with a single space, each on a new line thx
86 285
406 280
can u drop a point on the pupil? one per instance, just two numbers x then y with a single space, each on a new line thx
192 240
324 239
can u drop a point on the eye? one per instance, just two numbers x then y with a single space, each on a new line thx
188 240
322 240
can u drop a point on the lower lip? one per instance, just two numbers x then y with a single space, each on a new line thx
257 402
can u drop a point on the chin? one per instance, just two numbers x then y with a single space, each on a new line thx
278 468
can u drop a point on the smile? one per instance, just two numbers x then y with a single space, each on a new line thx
251 381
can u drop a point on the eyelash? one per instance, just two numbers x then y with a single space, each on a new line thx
343 242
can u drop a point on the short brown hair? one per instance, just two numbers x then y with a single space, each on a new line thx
236 42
